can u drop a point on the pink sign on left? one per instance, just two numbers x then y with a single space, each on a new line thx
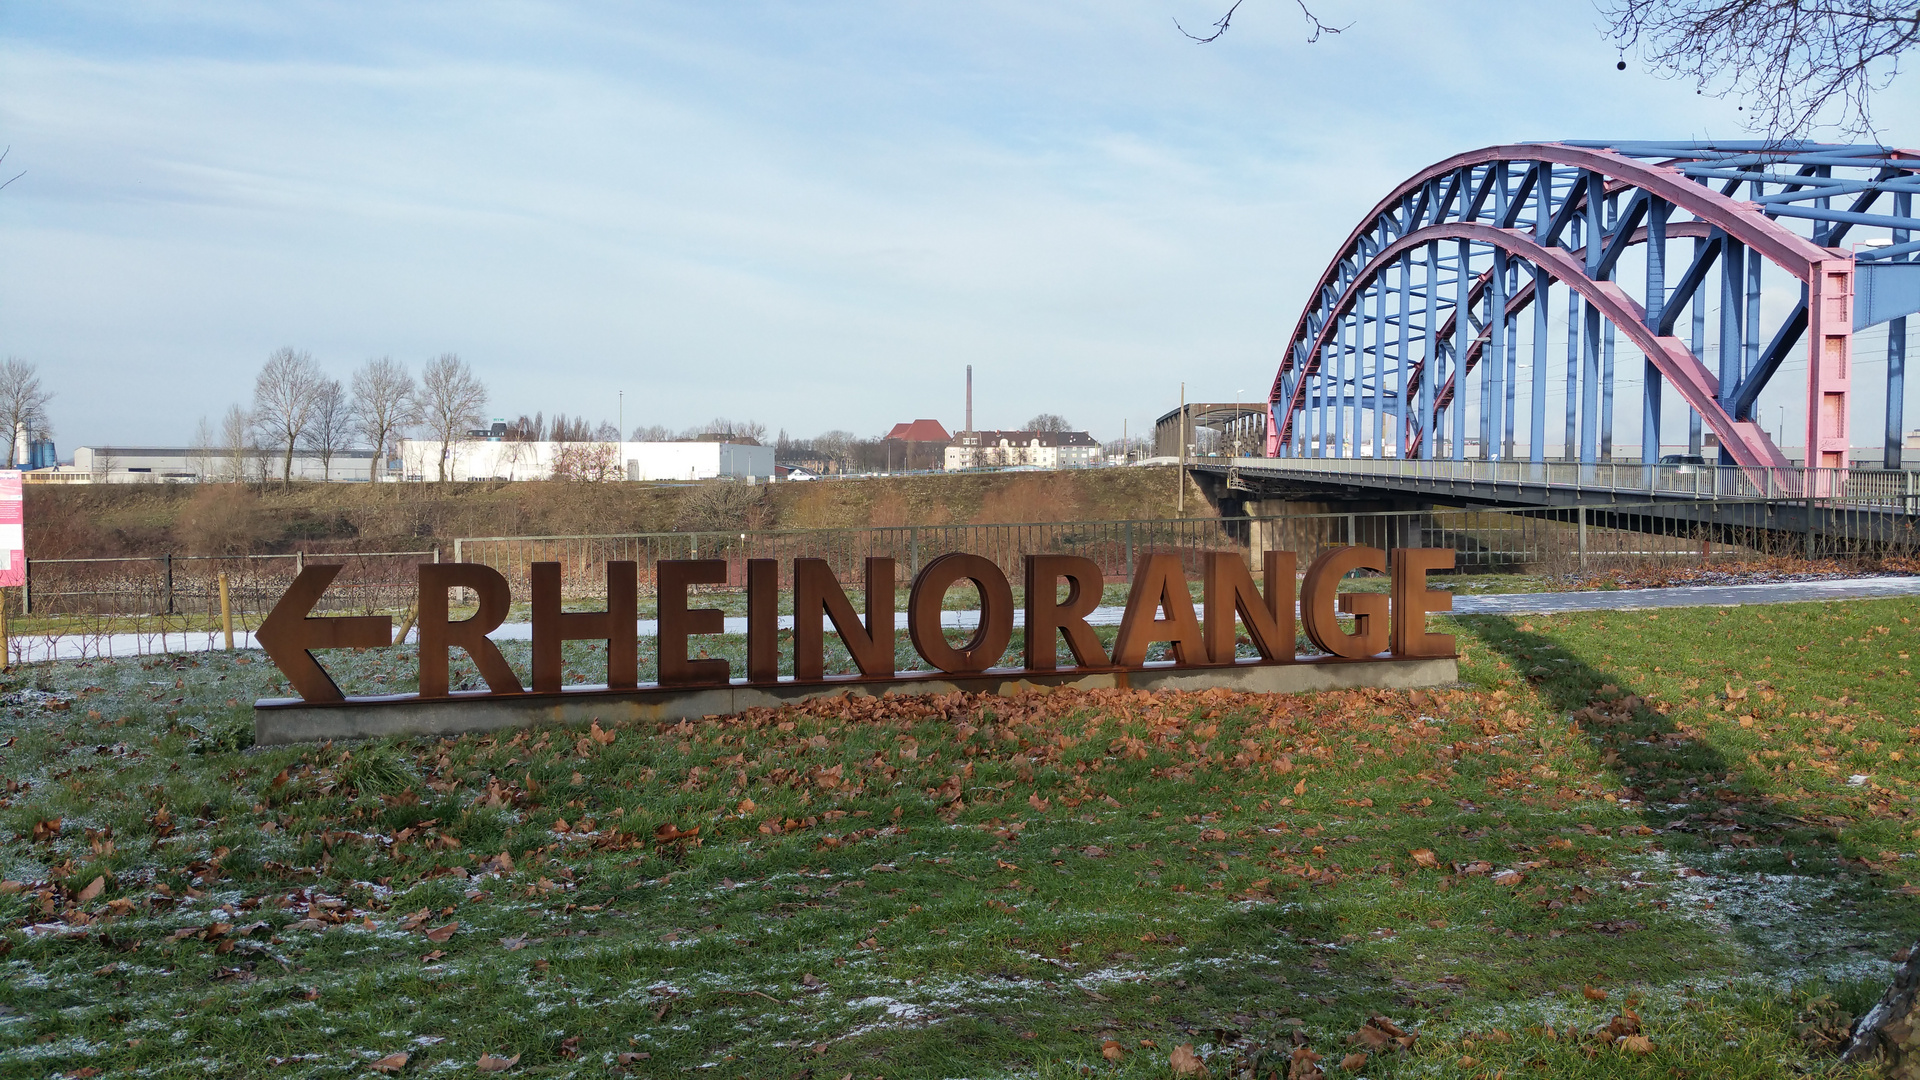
13 537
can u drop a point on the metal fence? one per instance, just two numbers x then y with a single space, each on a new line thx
190 584
1560 540
1551 541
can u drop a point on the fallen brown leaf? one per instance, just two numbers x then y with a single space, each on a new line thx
1425 857
1112 1050
392 1063
1637 1044
93 890
1185 1062
1593 993
489 1063
1354 1062
440 934
432 956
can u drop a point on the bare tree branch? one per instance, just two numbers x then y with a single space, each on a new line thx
1225 21
1794 66
284 394
16 176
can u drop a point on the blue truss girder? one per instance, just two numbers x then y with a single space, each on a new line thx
1422 299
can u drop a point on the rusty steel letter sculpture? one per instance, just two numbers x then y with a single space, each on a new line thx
1159 609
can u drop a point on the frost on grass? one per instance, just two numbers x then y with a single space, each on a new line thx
929 881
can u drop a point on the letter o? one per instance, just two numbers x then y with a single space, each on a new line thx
990 638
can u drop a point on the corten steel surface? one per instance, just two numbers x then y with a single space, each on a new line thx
677 622
763 620
992 635
1159 586
1047 614
288 633
1415 322
618 626
817 596
1321 603
1228 589
439 634
1410 594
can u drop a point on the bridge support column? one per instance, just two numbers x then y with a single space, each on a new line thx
1656 293
1896 389
1829 378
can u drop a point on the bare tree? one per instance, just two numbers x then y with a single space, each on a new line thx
236 441
450 400
653 433
23 405
591 461
201 451
569 429
284 394
836 446
1047 421
383 406
743 429
330 425
1795 65
528 428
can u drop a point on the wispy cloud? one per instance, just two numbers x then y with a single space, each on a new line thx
813 214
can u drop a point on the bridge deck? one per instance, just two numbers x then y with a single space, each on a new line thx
1526 483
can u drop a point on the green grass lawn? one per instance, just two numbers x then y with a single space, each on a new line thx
1693 823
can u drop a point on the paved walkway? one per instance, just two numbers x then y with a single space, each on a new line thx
1782 592
28 648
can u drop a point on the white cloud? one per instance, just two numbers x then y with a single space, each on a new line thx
812 214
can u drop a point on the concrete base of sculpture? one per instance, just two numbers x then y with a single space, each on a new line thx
290 720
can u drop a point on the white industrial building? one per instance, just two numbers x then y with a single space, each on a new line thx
187 465
487 459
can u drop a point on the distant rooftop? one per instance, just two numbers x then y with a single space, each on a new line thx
920 431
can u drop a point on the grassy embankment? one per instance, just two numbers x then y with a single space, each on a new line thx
221 519
1696 822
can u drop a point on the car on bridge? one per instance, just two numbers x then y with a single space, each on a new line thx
1682 464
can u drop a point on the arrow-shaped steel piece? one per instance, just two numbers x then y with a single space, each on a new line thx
289 633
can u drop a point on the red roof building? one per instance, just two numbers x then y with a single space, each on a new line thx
920 431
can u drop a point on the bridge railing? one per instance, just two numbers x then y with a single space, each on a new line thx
1864 488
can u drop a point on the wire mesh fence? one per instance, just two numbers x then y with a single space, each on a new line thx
1492 541
189 585
1551 541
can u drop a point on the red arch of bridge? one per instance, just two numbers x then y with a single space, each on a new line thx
1826 272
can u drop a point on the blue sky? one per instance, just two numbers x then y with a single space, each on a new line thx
813 215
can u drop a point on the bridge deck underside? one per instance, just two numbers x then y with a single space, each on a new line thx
1615 508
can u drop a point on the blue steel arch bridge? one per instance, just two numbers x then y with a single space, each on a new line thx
1491 325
